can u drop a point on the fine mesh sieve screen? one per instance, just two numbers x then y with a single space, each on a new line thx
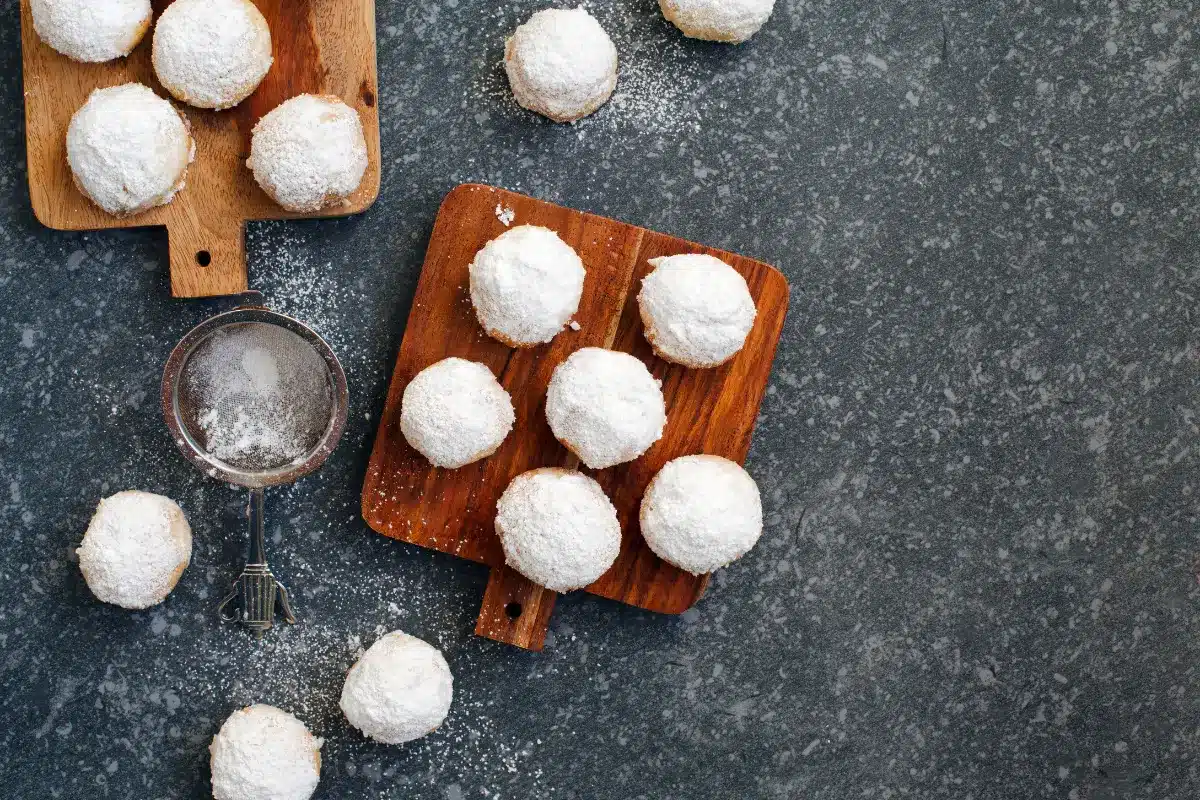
256 396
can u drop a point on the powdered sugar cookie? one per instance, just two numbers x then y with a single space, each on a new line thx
561 64
400 690
128 149
701 513
455 412
525 285
309 152
605 406
732 21
91 31
696 309
136 547
558 528
264 752
211 53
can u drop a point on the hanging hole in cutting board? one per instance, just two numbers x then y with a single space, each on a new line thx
513 610
203 258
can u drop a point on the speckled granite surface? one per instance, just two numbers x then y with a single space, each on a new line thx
978 455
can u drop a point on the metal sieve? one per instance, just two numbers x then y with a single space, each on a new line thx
256 590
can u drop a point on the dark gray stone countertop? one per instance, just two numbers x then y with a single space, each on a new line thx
978 453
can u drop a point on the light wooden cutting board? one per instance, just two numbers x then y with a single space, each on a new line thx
320 46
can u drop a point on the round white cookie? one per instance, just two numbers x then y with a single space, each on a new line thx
309 152
135 548
605 406
455 412
696 309
732 21
400 690
211 53
701 513
128 149
525 285
91 31
558 528
264 752
561 64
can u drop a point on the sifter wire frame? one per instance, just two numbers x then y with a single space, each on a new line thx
256 588
195 452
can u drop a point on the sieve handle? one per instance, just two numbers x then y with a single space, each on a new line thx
256 589
256 512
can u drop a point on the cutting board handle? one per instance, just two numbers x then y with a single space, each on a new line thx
515 610
208 255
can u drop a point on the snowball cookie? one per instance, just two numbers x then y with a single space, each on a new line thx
211 53
732 21
558 528
399 690
263 753
605 406
136 547
525 285
701 512
128 149
309 152
455 412
696 309
91 30
561 64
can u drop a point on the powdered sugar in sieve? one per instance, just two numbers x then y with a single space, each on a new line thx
257 396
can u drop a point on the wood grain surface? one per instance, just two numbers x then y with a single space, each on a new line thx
708 411
320 46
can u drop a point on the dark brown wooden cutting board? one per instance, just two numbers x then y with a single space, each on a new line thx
708 411
320 46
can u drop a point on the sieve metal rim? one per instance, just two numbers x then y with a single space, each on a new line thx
173 372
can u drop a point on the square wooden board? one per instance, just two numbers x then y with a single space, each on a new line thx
708 411
320 47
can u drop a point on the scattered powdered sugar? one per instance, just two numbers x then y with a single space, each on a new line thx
262 751
91 30
297 285
653 94
128 149
505 215
605 406
558 528
455 412
294 281
400 689
135 548
316 293
211 53
344 604
302 669
573 325
697 310
260 394
701 512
